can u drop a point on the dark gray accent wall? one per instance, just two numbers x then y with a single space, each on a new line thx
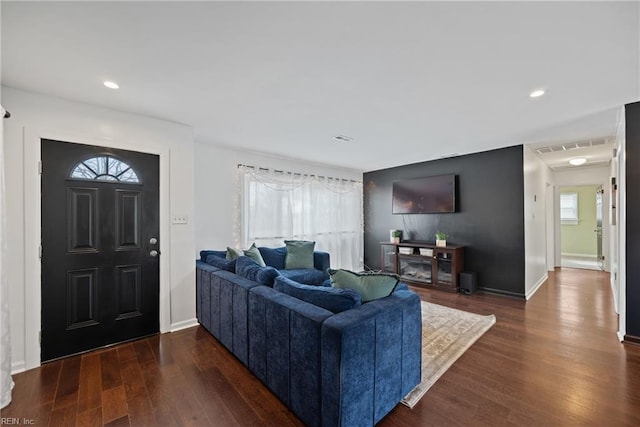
489 220
632 167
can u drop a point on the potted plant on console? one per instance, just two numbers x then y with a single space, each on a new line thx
441 238
396 236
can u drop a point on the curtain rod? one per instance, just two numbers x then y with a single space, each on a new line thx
295 173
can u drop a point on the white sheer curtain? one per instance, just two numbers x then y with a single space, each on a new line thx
6 384
274 206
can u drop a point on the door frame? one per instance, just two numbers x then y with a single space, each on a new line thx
33 224
606 226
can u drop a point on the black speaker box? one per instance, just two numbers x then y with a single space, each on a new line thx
468 282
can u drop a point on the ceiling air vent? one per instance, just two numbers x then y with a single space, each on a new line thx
572 145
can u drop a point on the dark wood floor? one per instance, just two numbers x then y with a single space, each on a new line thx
553 360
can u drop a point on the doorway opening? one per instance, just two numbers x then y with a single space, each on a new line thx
581 227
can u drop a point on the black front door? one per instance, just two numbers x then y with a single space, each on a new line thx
100 247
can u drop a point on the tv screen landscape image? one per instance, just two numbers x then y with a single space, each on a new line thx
431 194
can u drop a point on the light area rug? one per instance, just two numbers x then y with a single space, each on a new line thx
446 334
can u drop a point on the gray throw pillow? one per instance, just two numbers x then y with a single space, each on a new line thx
371 286
255 255
233 253
299 254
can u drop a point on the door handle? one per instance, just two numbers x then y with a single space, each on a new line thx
154 253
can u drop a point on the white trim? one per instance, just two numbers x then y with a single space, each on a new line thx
587 256
17 367
178 326
620 336
622 237
32 230
616 307
537 286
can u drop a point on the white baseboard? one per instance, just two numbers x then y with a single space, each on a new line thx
614 292
18 367
621 336
536 287
586 256
184 324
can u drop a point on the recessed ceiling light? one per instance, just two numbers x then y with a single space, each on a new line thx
578 161
343 138
536 93
111 85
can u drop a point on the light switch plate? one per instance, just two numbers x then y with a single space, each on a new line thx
180 219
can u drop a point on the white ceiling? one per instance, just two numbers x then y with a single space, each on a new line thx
408 81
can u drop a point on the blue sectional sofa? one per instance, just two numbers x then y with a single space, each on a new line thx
331 359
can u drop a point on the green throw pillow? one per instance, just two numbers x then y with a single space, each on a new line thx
233 253
371 286
254 254
299 254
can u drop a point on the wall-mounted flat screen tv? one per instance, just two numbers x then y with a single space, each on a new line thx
431 194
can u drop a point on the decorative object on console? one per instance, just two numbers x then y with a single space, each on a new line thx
441 239
426 252
395 236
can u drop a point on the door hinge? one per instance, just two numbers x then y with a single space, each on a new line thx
40 251
40 167
40 337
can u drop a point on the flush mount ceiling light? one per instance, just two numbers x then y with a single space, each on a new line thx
111 85
343 138
536 93
578 161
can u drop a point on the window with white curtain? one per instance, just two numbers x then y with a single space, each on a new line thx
274 206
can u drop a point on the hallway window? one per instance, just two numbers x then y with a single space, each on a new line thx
569 208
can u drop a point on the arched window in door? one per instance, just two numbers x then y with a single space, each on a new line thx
104 168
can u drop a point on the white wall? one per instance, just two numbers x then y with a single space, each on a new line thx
35 116
216 187
537 176
585 176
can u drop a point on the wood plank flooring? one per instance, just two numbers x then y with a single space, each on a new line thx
554 360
